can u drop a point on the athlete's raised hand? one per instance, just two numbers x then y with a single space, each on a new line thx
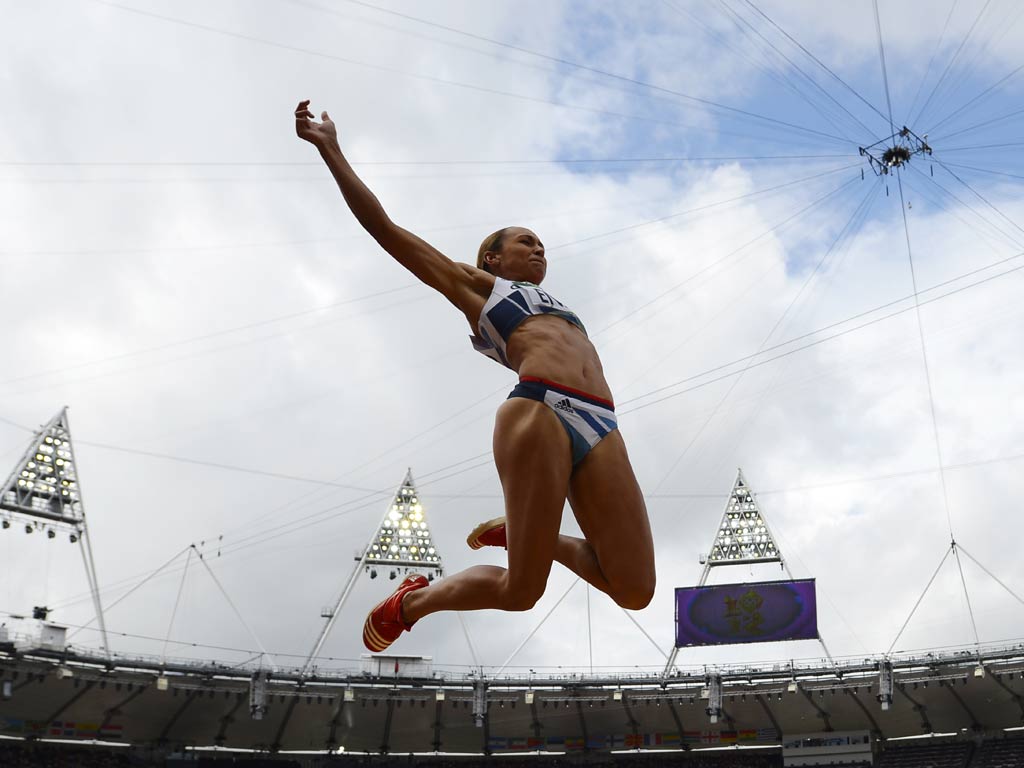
317 134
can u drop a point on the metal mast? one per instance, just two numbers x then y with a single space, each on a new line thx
44 491
743 537
402 543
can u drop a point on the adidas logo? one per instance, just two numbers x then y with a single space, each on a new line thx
564 405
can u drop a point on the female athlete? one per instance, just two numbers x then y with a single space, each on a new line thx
555 437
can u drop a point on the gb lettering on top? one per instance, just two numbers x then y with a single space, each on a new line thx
540 296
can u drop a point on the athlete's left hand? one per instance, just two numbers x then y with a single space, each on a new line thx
318 134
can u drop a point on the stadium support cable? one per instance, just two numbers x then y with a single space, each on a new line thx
924 357
970 609
227 597
177 602
918 603
469 640
125 595
645 632
992 576
885 74
539 625
852 224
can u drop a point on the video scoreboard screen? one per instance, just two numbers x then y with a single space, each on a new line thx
760 612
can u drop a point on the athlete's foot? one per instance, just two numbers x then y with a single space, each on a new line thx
489 534
385 622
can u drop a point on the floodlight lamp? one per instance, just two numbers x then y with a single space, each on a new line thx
28 528
793 686
617 694
979 671
161 683
528 697
50 533
350 694
73 538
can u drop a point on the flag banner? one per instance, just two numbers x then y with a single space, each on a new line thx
758 612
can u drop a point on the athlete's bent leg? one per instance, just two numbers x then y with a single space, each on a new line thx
610 510
531 453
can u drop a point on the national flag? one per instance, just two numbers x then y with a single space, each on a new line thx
597 742
617 741
519 742
748 734
574 743
634 740
110 731
556 743
669 739
729 737
495 743
534 743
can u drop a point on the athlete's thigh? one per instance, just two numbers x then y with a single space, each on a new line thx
533 458
609 507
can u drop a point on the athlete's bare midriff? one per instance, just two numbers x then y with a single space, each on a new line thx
552 348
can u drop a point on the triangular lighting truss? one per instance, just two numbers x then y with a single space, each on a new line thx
743 536
44 483
403 542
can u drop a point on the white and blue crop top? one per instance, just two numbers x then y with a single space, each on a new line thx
509 304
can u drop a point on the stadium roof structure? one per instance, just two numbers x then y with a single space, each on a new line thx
400 704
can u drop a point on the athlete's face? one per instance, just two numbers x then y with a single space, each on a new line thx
521 256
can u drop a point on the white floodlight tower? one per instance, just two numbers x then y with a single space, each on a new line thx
401 544
44 491
743 536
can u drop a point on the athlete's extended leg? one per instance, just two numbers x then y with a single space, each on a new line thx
610 510
531 453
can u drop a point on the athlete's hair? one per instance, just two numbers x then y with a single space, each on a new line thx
492 242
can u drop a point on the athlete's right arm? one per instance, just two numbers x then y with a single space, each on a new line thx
461 284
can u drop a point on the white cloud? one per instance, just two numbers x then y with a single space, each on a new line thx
140 258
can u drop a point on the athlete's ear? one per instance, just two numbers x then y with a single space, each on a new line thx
492 258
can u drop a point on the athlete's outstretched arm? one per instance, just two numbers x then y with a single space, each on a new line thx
460 283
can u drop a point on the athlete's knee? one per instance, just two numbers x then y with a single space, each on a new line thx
635 597
521 597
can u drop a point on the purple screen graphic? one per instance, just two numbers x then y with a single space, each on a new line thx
760 612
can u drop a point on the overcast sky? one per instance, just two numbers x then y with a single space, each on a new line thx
180 270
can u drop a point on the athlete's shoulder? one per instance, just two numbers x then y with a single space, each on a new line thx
481 280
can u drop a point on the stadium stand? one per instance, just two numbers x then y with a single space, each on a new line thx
949 754
1001 753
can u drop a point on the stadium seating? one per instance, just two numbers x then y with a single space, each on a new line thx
1001 753
949 754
